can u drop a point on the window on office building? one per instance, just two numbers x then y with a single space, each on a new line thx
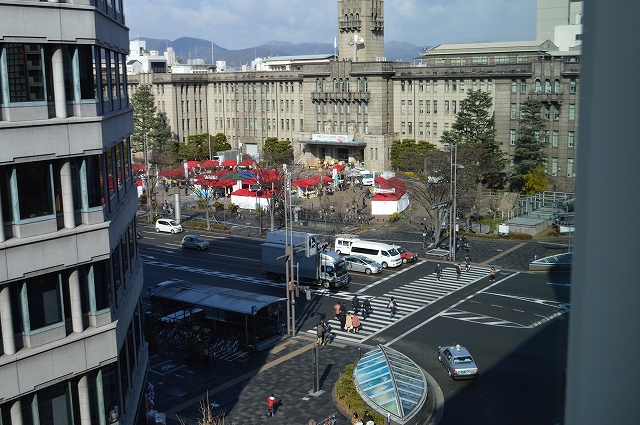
546 136
435 128
512 137
428 107
523 86
402 127
435 106
556 86
571 139
428 83
547 86
435 85
554 166
446 85
421 129
421 85
572 86
421 106
546 111
410 106
446 106
410 127
514 86
569 167
554 139
454 106
44 300
461 85
572 112
514 111
403 107
538 86
556 112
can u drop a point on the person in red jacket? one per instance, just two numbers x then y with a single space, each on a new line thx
271 401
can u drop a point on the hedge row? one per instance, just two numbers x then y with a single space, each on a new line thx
349 398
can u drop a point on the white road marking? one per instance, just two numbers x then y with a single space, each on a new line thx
449 309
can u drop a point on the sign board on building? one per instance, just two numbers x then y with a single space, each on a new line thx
336 138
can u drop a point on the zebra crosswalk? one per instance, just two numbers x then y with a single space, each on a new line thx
410 298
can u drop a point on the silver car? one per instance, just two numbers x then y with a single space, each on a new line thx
360 263
195 242
458 362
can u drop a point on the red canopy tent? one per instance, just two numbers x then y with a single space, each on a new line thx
210 163
171 173
390 196
246 163
193 164
229 163
138 167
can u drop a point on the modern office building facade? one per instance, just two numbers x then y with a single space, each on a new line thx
354 107
72 349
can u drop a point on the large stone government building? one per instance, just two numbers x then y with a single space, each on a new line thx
354 105
71 344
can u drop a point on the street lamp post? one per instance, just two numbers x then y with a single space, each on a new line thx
146 168
453 186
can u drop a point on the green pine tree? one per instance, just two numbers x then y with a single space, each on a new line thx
474 133
147 121
407 155
277 152
529 152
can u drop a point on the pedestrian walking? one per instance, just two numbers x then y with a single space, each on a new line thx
326 334
467 262
320 332
355 303
458 271
492 278
438 272
392 306
348 324
271 403
336 309
342 316
367 418
355 420
355 321
367 310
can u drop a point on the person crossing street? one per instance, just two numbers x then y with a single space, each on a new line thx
438 272
467 263
458 271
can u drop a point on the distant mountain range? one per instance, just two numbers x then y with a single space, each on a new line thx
188 47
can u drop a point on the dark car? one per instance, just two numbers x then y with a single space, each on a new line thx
458 362
195 242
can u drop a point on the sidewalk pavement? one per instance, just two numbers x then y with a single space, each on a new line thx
240 389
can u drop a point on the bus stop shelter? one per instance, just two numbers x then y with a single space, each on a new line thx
197 295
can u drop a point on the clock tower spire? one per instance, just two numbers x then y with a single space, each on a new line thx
361 30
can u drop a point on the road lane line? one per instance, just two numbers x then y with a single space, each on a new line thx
446 310
387 278
513 248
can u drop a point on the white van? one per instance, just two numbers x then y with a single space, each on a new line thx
367 178
343 243
382 253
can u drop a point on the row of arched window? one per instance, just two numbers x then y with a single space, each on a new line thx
342 85
351 17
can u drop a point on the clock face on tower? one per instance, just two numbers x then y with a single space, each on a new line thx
349 38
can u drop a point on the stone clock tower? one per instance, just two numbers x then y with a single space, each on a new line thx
361 30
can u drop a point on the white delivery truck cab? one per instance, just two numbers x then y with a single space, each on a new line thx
343 243
367 178
382 253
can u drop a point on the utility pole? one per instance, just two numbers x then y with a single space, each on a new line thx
148 183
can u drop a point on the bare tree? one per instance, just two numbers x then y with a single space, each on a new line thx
208 416
432 189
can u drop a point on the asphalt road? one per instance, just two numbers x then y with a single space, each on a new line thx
516 328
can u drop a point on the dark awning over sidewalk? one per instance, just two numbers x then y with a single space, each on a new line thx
209 296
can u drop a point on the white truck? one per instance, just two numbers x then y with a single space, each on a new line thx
222 156
325 268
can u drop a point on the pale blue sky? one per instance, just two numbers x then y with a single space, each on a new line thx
235 24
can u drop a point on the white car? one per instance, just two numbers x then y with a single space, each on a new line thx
168 225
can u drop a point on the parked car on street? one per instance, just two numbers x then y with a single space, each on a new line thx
458 362
194 242
168 225
360 263
407 256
